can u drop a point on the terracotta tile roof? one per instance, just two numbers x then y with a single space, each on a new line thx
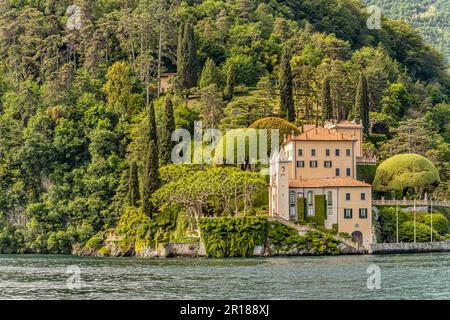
322 134
326 182
308 127
168 74
346 124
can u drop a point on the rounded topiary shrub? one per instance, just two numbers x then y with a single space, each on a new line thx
405 171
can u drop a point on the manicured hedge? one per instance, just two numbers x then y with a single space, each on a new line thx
301 209
320 210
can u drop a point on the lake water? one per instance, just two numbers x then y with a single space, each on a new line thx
414 276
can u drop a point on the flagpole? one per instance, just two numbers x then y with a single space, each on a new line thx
414 220
396 213
431 216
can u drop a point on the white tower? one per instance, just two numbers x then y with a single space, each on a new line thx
279 186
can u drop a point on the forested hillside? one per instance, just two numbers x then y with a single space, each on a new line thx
431 17
85 139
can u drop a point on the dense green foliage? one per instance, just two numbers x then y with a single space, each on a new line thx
232 237
405 171
423 232
366 173
76 104
430 17
237 237
387 220
282 238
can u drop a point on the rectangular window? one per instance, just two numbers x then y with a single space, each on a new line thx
327 152
348 172
348 213
328 164
300 164
363 213
313 164
347 152
347 196
337 152
300 152
338 172
363 196
313 152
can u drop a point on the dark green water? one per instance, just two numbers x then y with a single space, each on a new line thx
417 276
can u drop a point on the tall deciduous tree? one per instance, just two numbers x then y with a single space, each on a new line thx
286 95
133 186
361 108
151 179
166 133
327 103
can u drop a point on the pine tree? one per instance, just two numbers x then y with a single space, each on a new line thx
327 103
151 174
187 61
361 109
287 100
228 92
210 74
133 186
166 133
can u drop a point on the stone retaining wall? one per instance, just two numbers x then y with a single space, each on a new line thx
191 249
383 248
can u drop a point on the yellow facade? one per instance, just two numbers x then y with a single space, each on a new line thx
322 161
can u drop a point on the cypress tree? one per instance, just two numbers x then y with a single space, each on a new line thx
228 92
361 109
286 95
151 174
166 134
327 103
187 62
133 186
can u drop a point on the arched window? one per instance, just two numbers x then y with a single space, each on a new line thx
330 202
310 203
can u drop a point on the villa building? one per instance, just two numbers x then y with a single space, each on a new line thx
313 178
165 81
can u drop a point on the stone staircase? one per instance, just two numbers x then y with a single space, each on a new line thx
303 229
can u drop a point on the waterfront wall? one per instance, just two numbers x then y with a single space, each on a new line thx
191 249
385 248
